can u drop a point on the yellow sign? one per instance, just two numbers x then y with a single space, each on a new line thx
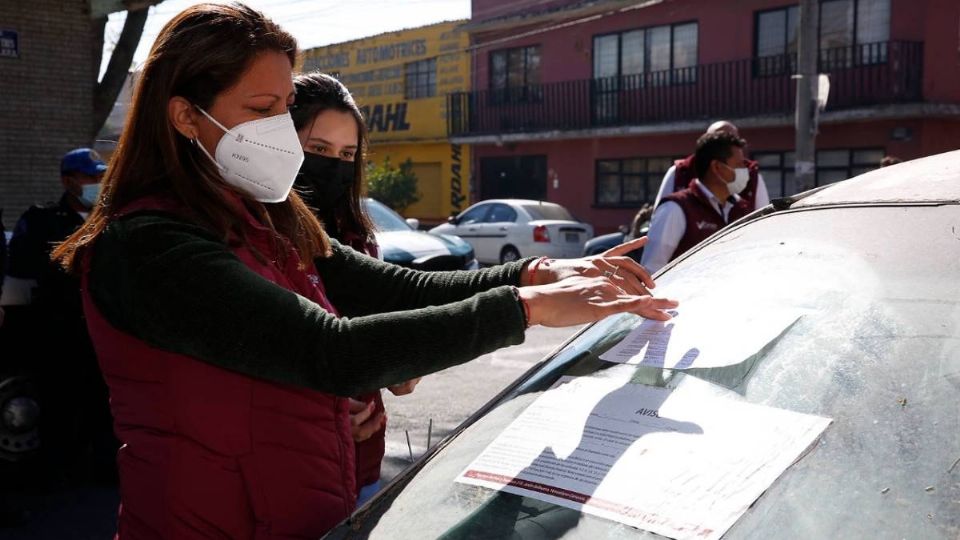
400 80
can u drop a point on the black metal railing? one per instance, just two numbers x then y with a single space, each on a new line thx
862 75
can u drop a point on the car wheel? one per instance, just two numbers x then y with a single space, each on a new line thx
509 254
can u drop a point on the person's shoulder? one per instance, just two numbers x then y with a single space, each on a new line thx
46 210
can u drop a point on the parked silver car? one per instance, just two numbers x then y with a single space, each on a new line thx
503 230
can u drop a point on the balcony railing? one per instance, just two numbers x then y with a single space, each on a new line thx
863 75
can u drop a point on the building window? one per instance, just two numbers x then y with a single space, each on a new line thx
657 55
420 79
775 43
515 74
851 32
836 165
777 171
629 182
832 166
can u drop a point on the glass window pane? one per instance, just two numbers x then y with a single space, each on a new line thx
789 158
768 160
857 171
873 21
870 157
793 24
773 179
498 67
605 56
633 189
608 166
632 54
771 33
658 167
829 176
836 23
633 166
833 158
658 45
788 177
515 65
532 67
608 189
685 45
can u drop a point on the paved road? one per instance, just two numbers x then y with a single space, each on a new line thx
448 398
451 396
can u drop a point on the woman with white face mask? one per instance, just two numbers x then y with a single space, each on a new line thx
229 356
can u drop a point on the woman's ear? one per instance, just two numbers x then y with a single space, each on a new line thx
183 116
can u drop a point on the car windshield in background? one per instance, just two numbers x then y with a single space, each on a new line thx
385 219
876 350
548 211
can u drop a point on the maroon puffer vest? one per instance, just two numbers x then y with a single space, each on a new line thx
702 218
685 173
209 453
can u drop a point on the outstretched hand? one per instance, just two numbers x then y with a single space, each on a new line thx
578 300
613 264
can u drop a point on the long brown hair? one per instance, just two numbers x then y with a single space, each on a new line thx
318 92
200 53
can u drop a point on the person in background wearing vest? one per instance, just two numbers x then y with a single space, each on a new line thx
682 172
232 331
688 216
76 420
331 179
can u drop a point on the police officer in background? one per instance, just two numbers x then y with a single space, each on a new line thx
75 418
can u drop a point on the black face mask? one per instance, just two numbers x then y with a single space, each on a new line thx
324 181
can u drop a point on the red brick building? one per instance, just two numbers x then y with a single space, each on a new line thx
586 103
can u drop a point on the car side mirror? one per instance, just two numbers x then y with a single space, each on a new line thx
453 220
414 223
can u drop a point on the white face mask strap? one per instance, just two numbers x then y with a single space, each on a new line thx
198 144
212 119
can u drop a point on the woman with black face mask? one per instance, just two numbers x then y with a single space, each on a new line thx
334 136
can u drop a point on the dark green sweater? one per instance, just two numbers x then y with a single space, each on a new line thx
178 287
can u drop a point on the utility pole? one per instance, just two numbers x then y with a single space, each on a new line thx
805 164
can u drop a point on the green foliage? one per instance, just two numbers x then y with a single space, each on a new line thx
395 187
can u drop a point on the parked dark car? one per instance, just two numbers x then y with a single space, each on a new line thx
874 262
402 244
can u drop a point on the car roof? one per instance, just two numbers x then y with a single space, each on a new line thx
933 179
518 201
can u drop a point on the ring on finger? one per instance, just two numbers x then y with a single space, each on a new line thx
609 274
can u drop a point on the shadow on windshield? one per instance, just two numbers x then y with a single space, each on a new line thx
512 516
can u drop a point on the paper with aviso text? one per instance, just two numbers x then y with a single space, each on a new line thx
704 334
684 463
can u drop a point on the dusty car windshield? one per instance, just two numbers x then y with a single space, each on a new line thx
878 351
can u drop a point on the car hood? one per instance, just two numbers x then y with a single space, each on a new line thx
406 246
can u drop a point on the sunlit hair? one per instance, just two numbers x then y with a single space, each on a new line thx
316 93
199 54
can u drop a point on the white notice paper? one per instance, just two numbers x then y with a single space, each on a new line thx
683 463
703 334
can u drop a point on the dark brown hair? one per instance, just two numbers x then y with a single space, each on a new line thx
200 53
716 146
316 93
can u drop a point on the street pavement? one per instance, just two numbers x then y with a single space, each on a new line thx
446 398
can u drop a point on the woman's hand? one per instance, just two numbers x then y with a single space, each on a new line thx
363 422
613 264
404 388
578 300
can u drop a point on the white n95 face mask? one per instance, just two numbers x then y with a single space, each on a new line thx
260 158
741 175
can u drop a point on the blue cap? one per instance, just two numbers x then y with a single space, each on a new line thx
82 160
